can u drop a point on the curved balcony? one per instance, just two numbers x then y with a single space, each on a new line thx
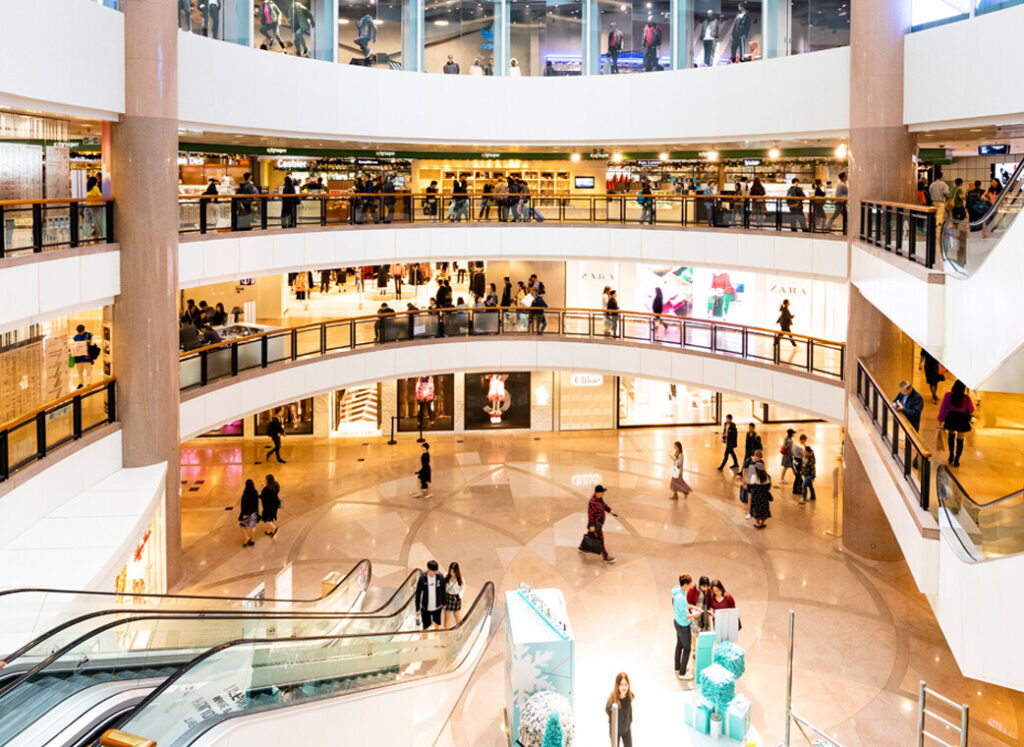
235 378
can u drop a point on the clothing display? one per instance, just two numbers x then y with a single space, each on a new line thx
615 40
652 41
185 15
211 17
302 25
740 32
367 34
709 30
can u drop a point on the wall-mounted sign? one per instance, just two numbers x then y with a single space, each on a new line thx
600 155
386 153
490 155
584 379
650 163
247 281
276 151
367 162
291 163
993 150
190 160
752 162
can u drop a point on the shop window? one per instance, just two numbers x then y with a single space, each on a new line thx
987 6
426 403
732 32
769 413
819 24
296 417
646 402
927 13
497 400
586 401
545 37
288 26
370 34
642 32
463 31
228 430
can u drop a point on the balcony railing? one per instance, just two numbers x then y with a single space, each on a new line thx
822 358
905 230
46 225
32 436
259 212
981 530
898 435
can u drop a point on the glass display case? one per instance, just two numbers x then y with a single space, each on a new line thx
296 417
458 33
289 27
370 33
546 37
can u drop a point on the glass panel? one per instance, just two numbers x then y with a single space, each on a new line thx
18 227
307 341
457 35
287 26
987 6
616 36
370 33
339 336
21 444
546 37
820 24
57 226
926 13
250 354
216 19
725 31
218 363
94 409
59 425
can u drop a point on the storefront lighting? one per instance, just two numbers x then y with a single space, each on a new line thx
841 150
575 157
542 396
712 155
616 158
663 156
440 22
773 153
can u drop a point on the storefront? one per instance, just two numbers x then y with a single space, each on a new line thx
426 403
196 169
143 571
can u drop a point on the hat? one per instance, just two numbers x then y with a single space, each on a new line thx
599 489
790 431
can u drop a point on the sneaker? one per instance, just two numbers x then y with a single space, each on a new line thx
250 543
747 516
609 559
429 495
803 500
687 676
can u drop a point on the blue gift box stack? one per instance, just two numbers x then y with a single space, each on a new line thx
716 689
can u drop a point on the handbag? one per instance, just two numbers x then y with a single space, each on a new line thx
93 351
743 495
783 450
676 473
591 543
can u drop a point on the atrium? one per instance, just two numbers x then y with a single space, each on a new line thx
406 372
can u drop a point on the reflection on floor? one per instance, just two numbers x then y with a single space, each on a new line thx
512 508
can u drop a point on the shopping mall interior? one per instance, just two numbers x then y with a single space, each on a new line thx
342 394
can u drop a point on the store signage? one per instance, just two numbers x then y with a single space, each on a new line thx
65 144
386 153
586 380
600 155
292 163
649 163
787 290
367 162
190 160
993 150
247 281
276 151
490 155
752 161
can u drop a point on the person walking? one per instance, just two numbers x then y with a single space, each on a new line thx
798 464
538 319
454 588
809 473
842 192
424 473
84 353
759 489
751 444
249 514
932 374
270 503
910 403
818 207
430 597
785 322
611 317
955 415
658 308
646 201
683 616
622 697
729 438
787 457
678 484
597 511
957 202
275 431
938 190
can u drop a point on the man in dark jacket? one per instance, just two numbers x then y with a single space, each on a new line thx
597 511
430 597
796 206
275 430
729 438
910 403
388 190
244 206
752 444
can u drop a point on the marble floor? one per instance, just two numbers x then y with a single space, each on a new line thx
511 508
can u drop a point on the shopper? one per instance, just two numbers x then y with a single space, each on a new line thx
460 199
622 697
910 403
491 299
957 200
757 206
430 201
485 201
698 598
220 317
809 473
933 375
796 206
976 205
719 599
759 490
597 511
208 335
84 352
454 588
678 483
270 503
430 597
289 205
611 317
785 322
955 414
798 465
842 192
249 514
818 207
188 335
387 189
646 201
683 616
424 472
501 199
92 213
938 191
275 431
752 443
730 438
787 456
538 319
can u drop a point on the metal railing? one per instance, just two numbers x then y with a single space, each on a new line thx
31 437
960 730
823 358
210 213
898 435
905 230
966 244
981 530
46 225
802 724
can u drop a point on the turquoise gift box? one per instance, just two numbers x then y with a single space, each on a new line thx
737 718
697 712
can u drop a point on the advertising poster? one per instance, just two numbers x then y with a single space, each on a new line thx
497 400
427 402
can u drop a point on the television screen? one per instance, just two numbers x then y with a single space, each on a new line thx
1003 171
584 182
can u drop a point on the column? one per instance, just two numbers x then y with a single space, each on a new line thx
502 37
881 167
144 149
236 17
774 24
412 35
323 42
682 33
591 38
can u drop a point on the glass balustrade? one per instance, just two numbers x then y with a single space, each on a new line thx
980 531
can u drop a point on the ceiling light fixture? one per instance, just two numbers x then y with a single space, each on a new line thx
773 153
575 157
663 156
712 155
616 158
841 150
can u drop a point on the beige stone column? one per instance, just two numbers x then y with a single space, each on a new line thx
144 149
881 168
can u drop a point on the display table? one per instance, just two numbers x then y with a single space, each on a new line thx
539 648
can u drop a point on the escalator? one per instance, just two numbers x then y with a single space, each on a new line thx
61 695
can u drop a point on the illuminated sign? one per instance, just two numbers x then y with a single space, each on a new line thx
600 155
276 151
993 150
586 379
490 155
752 162
386 153
291 163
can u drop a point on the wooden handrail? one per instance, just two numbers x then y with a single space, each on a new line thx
510 309
118 738
911 431
497 196
905 205
57 200
55 403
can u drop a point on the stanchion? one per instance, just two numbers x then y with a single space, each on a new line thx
834 531
392 442
421 439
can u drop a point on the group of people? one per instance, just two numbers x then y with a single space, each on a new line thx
508 195
963 201
259 506
440 593
365 206
196 324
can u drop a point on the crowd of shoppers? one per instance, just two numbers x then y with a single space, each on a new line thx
196 324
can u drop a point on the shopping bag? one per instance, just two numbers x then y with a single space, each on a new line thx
591 543
743 495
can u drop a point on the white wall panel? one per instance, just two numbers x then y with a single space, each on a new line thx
313 98
63 57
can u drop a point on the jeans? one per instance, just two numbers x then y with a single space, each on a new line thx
739 43
613 60
185 15
647 215
841 210
650 58
797 217
276 449
211 19
709 52
809 488
684 640
729 451
301 47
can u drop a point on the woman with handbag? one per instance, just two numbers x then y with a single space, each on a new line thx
249 513
787 456
955 415
270 500
678 484
454 588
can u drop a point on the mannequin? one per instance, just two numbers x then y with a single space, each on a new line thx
302 23
514 71
211 18
425 399
367 34
615 40
270 23
709 35
652 40
740 32
451 67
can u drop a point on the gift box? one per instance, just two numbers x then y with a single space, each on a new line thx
731 656
737 718
704 653
697 712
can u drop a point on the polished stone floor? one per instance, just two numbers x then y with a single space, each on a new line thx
511 508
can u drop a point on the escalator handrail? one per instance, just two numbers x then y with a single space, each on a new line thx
45 663
989 216
963 491
136 615
485 596
944 472
42 590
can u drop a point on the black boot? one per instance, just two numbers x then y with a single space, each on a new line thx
951 441
959 451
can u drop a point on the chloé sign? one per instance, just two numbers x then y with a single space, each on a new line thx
582 379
